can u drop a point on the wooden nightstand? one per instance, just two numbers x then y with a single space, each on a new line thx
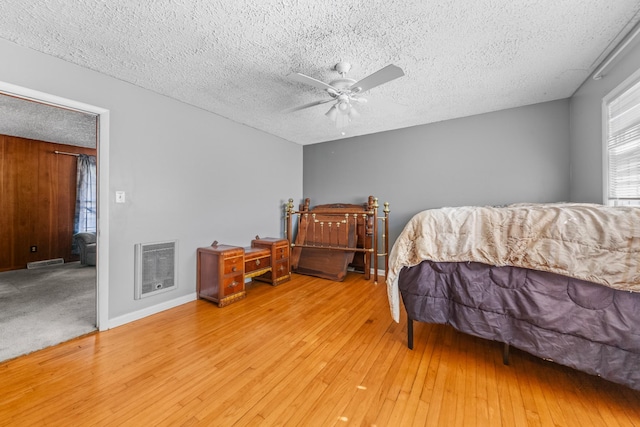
221 274
280 269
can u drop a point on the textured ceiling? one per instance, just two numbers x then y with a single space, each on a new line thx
232 57
42 122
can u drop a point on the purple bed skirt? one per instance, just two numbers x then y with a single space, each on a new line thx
579 324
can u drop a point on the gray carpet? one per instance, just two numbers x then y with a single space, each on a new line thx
45 306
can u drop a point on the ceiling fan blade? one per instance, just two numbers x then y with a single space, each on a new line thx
383 75
310 81
311 104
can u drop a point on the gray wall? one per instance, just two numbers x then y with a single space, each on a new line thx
188 174
586 127
515 155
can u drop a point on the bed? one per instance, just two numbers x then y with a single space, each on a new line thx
559 281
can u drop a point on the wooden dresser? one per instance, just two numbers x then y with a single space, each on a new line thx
223 269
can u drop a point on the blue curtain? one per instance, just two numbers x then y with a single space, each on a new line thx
86 205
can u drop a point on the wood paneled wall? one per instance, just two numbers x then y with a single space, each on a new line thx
37 193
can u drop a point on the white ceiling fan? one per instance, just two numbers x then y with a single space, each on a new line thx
345 91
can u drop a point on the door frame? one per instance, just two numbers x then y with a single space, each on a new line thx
102 145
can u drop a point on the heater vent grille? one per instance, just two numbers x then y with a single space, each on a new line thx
156 268
45 263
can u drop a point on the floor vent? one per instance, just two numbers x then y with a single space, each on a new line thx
155 268
45 263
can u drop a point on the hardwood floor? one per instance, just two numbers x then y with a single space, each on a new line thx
309 352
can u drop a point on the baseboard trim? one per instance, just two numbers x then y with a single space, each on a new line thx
137 315
381 276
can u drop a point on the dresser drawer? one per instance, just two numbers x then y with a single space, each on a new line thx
233 265
281 269
256 264
281 252
232 284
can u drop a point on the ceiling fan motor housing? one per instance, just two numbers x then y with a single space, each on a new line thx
342 84
342 67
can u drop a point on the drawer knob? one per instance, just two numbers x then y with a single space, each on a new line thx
234 268
257 262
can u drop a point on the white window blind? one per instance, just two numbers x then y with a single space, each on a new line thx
623 147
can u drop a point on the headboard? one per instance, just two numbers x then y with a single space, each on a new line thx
330 238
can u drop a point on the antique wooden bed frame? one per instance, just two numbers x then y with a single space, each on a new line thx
344 230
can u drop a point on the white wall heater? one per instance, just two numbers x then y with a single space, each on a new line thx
156 268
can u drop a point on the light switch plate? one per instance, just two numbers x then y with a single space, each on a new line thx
119 196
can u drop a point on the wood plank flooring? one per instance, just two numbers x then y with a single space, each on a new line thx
309 352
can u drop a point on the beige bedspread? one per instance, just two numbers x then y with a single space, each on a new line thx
591 242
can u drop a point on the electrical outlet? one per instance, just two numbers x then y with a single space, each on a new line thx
33 249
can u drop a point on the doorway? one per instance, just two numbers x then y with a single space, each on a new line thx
102 133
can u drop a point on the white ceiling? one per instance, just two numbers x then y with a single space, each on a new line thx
232 57
53 124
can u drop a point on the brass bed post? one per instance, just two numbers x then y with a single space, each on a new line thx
375 241
367 226
367 232
288 215
385 239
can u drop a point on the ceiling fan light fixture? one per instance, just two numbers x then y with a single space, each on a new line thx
332 113
343 106
342 121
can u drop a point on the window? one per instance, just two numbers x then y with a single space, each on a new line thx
85 215
622 144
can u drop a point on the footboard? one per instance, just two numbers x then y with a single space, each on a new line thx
332 237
